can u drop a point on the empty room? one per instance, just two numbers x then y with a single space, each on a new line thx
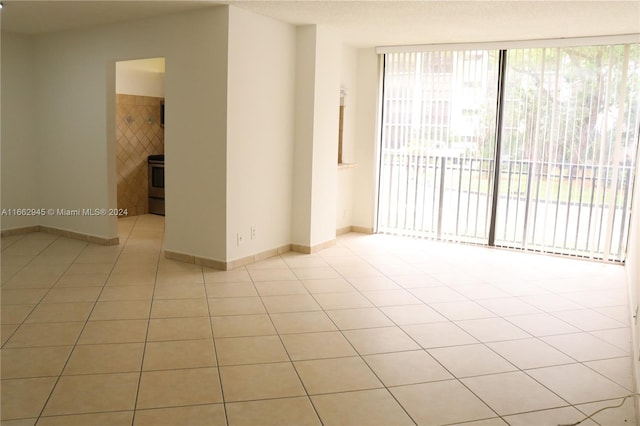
320 213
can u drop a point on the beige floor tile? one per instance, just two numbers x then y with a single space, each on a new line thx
273 412
22 297
231 289
23 398
492 329
15 314
449 402
179 354
178 278
380 340
372 283
299 260
82 280
437 294
508 306
110 358
163 329
406 368
280 288
116 331
315 272
121 310
93 393
179 291
260 381
274 262
584 347
550 302
588 320
330 285
369 407
416 280
201 415
280 274
131 278
481 291
126 293
336 375
618 337
513 393
342 300
530 353
60 312
233 276
242 326
250 350
456 359
290 303
577 383
34 362
552 417
462 310
117 418
412 314
542 324
349 319
179 308
616 369
302 322
623 415
174 388
48 334
331 344
236 306
391 297
72 295
439 334
7 331
496 421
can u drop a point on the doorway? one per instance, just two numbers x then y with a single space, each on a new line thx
139 132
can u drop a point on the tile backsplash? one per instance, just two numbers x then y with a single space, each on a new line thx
138 135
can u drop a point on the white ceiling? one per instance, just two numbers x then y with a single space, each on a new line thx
363 23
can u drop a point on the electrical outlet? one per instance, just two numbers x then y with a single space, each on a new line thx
240 239
253 233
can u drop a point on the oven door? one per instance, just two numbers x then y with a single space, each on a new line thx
156 179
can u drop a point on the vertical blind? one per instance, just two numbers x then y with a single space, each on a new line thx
566 166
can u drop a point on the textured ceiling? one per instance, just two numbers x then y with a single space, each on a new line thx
363 23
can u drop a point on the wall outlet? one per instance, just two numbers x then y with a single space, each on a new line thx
253 233
240 239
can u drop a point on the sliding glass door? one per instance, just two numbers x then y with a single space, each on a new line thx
568 135
569 141
437 154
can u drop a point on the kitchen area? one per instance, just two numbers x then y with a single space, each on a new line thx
140 136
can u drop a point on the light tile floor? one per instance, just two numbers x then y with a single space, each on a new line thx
376 330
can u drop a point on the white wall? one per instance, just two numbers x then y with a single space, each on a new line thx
138 82
260 134
367 141
346 176
74 74
303 134
318 57
19 166
325 136
632 266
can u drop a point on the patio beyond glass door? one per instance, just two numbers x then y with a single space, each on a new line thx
569 123
569 143
437 157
